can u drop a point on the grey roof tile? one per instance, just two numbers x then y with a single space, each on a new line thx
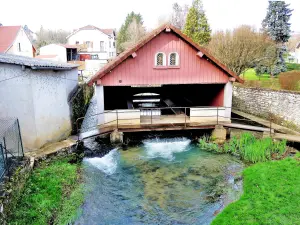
35 63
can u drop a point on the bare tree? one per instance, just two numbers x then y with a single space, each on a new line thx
242 48
135 33
179 14
47 36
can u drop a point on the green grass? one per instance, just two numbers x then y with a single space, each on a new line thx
248 147
52 194
250 74
271 196
292 66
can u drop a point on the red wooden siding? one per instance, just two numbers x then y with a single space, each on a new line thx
141 69
218 99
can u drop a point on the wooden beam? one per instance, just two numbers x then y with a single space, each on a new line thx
134 55
200 54
232 79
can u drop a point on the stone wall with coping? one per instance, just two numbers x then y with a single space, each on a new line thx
285 105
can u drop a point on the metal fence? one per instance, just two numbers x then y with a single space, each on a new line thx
11 147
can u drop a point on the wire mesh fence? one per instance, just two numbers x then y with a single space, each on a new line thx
11 147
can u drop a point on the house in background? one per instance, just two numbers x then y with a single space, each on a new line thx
14 40
165 69
36 92
297 53
95 46
59 52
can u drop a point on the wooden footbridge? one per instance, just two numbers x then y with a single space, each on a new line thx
183 119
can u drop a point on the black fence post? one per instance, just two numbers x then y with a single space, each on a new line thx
20 137
6 160
2 153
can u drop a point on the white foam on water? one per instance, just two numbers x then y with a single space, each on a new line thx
166 148
107 164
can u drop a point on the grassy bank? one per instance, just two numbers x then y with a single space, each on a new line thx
248 147
52 194
271 195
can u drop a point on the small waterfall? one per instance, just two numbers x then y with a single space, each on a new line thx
107 164
165 148
90 121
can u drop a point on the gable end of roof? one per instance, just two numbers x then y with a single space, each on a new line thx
127 53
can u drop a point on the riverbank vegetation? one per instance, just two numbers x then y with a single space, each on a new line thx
271 195
52 194
248 147
289 80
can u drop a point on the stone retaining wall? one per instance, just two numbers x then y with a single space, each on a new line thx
283 105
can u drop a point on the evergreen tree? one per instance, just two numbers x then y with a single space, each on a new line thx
277 26
123 35
196 26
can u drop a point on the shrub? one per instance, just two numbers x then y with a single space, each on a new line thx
248 147
292 66
289 80
205 143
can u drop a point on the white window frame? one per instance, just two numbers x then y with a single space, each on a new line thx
177 59
164 59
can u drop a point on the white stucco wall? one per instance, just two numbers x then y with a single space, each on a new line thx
40 100
207 114
54 49
94 36
99 91
26 46
93 66
16 100
228 99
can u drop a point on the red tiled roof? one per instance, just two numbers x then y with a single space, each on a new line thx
68 46
8 35
91 27
127 53
45 56
108 31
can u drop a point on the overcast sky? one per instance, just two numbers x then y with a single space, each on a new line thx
69 15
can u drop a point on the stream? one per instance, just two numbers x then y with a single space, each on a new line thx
161 181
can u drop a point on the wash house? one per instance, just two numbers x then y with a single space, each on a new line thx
165 78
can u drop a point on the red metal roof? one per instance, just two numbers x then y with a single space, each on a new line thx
8 35
127 53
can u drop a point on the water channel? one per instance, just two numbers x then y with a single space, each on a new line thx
161 181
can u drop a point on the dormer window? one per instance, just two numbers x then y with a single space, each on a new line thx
160 59
173 59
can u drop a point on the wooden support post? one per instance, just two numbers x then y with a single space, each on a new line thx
117 119
185 117
217 115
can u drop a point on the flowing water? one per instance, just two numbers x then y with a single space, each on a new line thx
161 181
